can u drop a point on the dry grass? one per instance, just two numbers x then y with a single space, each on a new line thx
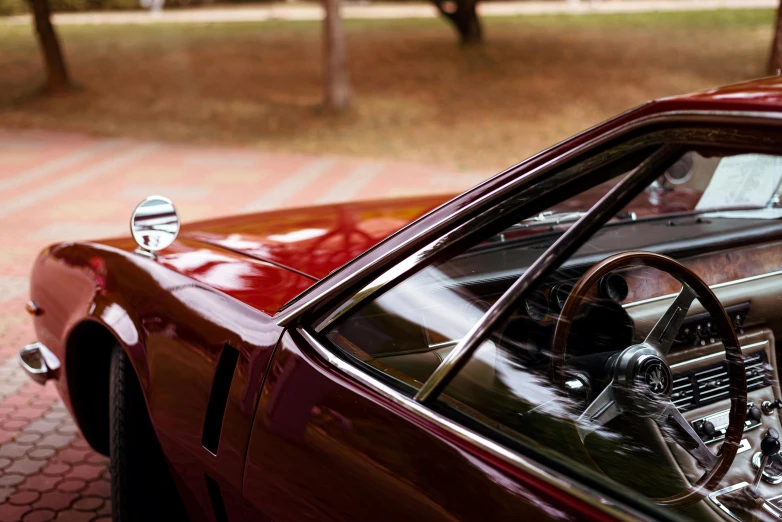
418 95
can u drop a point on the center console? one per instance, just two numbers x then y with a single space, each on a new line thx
701 393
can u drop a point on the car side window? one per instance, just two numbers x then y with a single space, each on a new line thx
612 402
409 329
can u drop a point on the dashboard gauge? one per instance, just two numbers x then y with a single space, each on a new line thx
559 295
614 287
536 305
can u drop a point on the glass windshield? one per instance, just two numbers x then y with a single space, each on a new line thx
697 181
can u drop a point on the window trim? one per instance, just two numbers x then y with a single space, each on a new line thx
423 256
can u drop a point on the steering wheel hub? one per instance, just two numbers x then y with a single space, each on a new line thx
654 377
642 380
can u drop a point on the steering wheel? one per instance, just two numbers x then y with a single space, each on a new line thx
641 380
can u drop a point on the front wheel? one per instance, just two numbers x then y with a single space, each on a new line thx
141 485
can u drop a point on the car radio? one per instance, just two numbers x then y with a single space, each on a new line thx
712 428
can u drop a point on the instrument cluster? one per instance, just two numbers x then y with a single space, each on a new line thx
601 323
544 303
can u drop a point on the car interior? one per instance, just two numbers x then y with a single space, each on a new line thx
525 382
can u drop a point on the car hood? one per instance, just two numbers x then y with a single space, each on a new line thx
311 241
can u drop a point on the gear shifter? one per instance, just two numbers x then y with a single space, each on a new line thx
769 447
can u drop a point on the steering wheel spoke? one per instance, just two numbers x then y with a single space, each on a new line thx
599 412
673 424
664 332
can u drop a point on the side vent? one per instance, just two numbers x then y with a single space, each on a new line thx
221 384
216 498
711 384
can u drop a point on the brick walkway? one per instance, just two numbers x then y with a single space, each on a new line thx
56 187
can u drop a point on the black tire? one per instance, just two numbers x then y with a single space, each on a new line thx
141 485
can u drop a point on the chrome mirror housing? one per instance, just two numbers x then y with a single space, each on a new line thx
154 225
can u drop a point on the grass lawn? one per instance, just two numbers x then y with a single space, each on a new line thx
418 95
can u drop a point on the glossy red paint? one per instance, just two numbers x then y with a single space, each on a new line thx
174 329
321 444
313 241
763 95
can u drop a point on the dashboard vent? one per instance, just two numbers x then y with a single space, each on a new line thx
683 395
711 384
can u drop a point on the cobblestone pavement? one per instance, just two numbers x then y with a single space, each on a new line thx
56 187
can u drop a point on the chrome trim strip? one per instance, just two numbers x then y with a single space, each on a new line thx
287 315
716 355
539 472
713 287
386 277
444 344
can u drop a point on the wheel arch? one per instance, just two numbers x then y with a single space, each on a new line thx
87 362
88 347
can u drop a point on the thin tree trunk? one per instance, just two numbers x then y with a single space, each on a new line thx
470 26
56 72
775 59
337 81
464 19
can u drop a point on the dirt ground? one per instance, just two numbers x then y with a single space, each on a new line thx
418 95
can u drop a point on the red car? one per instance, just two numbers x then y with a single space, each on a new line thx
589 335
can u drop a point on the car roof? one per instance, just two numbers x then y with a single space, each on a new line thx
764 94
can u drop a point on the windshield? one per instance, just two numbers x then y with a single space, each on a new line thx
698 181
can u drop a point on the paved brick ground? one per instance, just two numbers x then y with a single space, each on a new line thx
57 187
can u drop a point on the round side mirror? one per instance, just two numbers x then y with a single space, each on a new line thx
154 224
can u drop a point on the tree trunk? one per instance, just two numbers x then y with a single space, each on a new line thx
465 20
56 72
775 59
337 81
468 25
